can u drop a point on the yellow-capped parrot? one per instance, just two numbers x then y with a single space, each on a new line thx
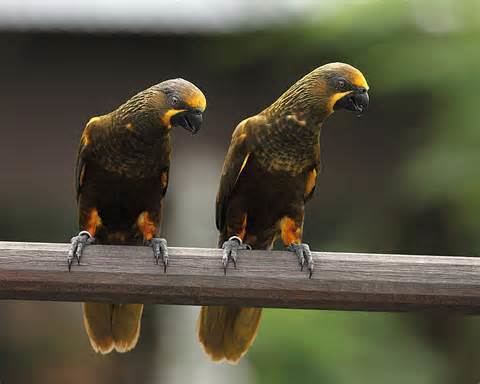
269 173
122 176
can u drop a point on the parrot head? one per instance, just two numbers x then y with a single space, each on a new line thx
345 87
181 104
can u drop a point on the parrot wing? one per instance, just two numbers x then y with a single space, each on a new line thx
241 147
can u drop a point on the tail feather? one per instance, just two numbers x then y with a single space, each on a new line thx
97 319
126 320
226 333
211 323
112 326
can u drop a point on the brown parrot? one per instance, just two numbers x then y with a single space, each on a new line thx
269 173
122 173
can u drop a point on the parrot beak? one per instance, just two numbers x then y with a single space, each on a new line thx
190 120
356 101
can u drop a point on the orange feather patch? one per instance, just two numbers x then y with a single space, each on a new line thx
291 231
93 222
146 226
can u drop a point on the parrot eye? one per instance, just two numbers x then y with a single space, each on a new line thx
174 100
341 84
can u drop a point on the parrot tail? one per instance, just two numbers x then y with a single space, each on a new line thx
112 326
227 332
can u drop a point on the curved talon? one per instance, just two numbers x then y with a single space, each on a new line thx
160 251
304 256
77 245
156 251
309 260
230 251
225 262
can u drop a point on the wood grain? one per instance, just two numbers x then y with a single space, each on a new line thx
344 281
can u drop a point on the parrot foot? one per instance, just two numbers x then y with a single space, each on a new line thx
160 251
78 243
230 251
304 256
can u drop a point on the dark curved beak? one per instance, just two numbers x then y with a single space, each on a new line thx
190 120
356 101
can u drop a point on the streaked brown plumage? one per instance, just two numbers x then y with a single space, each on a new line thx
121 178
269 174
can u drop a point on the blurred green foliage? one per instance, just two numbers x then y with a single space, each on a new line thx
335 347
431 49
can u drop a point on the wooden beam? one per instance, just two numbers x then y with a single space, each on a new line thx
341 281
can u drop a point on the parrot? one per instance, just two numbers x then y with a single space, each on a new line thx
121 177
269 174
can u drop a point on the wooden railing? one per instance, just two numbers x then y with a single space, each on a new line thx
195 276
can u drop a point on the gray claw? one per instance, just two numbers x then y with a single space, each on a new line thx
77 245
230 251
160 251
304 256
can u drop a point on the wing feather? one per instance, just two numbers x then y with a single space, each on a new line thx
239 153
82 154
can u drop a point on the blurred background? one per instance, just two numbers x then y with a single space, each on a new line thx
401 179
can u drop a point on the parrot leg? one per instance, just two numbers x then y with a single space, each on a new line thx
77 245
160 250
230 251
304 255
